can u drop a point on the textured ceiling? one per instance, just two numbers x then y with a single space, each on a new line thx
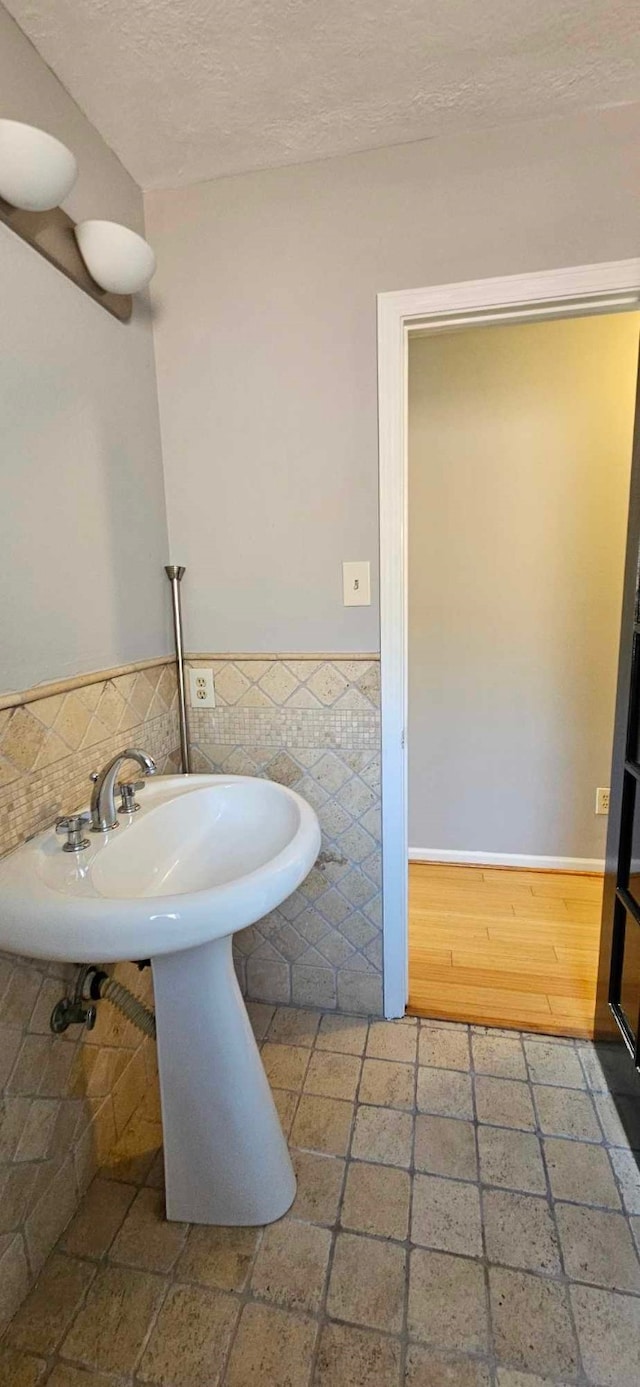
185 90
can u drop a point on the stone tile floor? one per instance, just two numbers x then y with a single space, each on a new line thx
468 1215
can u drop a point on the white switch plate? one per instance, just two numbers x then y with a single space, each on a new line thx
201 690
356 583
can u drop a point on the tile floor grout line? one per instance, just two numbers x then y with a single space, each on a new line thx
412 1173
337 1225
551 1203
620 1188
485 1357
491 1338
482 1357
243 1300
170 1281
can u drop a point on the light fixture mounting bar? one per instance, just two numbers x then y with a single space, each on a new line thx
51 234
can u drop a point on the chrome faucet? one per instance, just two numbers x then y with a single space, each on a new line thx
103 806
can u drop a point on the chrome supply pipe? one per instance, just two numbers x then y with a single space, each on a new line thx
175 574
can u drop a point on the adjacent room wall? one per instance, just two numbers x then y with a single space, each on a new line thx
266 346
82 515
519 459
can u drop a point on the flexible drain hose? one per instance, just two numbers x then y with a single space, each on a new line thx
124 1000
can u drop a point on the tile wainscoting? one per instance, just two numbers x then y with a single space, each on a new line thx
50 745
66 1100
312 723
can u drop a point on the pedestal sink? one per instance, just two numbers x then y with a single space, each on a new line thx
204 856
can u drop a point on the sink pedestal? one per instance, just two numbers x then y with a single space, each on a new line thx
226 1159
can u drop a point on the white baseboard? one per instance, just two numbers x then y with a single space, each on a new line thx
507 859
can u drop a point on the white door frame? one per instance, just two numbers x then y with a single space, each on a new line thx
517 298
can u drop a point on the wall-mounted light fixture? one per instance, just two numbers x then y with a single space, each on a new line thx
110 262
37 171
118 259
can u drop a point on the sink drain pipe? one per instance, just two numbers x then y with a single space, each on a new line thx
103 986
79 1010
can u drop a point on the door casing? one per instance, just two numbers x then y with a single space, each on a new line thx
618 904
612 286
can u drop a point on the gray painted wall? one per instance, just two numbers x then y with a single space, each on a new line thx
82 514
519 457
266 345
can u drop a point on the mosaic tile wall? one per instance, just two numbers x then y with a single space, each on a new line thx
312 724
50 746
65 1100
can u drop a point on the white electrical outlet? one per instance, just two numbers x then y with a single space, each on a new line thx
201 690
602 800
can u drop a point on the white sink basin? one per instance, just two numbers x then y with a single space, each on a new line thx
205 855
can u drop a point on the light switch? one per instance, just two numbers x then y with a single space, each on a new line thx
356 583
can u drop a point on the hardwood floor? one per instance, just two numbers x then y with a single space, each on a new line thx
504 947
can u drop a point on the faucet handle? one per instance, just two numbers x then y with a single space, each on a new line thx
72 825
128 794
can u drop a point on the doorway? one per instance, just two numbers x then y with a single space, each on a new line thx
443 309
520 439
